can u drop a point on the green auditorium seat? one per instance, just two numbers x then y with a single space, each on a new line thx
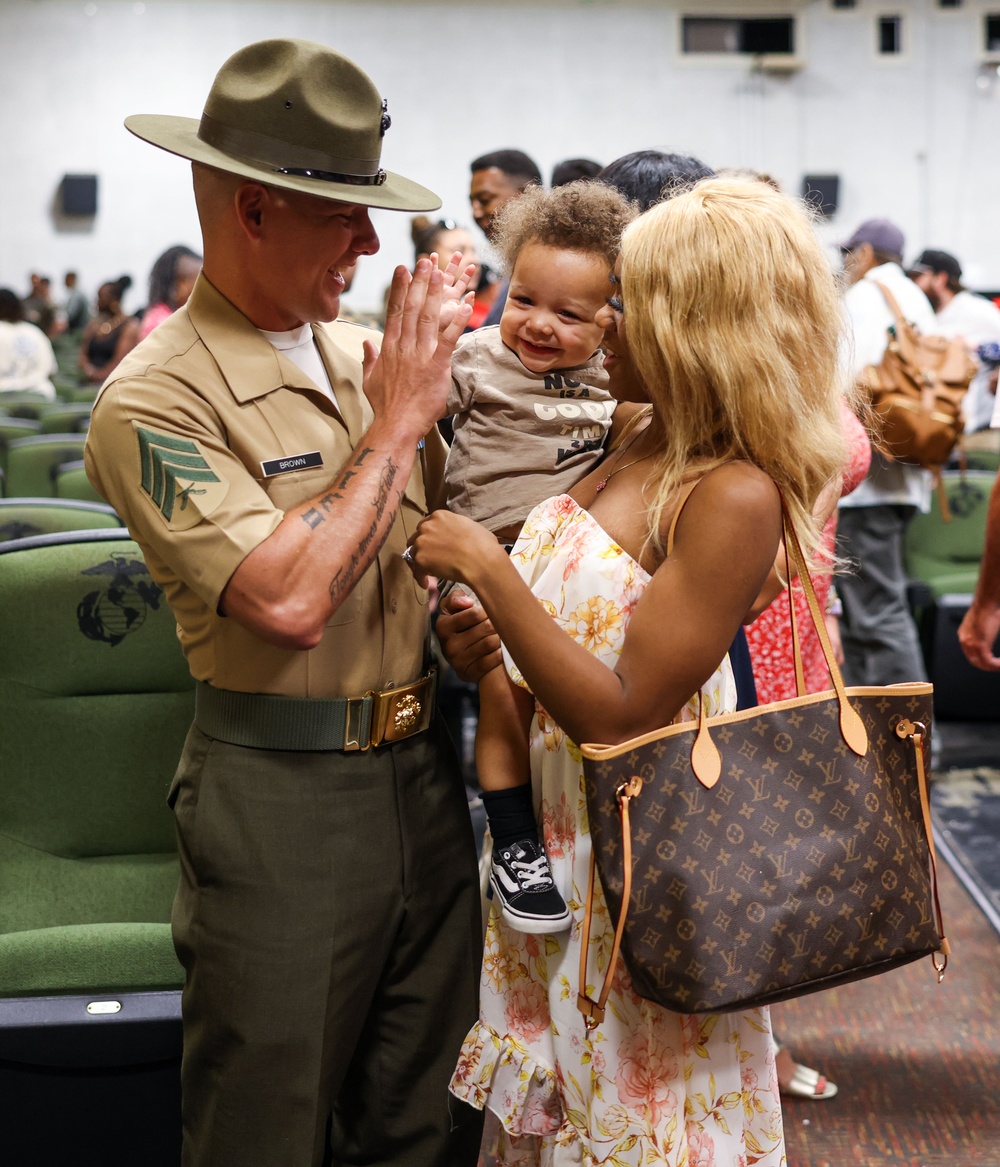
69 480
12 428
982 459
14 403
66 347
70 392
66 417
942 562
945 556
21 518
95 702
30 462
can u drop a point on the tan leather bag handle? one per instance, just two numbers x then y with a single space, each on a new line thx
593 1011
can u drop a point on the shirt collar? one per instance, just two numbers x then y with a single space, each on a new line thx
250 365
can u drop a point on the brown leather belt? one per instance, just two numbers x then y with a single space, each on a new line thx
265 721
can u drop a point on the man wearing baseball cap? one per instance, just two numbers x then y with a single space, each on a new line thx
958 312
272 465
880 640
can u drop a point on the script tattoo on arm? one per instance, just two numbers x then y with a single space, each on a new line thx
347 575
317 514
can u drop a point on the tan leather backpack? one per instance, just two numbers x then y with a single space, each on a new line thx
917 391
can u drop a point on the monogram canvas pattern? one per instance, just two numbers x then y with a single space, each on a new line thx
805 866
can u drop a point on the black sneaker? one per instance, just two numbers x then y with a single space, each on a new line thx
522 881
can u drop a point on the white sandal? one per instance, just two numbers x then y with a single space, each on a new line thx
808 1083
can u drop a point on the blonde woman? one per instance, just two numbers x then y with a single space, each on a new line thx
723 322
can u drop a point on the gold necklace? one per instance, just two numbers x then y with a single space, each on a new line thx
635 461
111 324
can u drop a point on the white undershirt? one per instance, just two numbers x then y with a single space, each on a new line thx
299 345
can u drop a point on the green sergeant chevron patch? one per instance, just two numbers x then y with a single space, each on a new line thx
178 479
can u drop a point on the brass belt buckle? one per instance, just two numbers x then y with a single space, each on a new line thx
399 713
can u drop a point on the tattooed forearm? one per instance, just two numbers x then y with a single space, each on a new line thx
313 517
344 581
369 535
372 531
386 479
369 544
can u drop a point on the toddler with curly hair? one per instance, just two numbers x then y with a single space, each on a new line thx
531 414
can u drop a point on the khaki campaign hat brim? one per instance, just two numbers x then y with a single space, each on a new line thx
179 136
296 115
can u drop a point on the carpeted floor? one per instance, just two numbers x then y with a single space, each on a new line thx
917 1063
966 808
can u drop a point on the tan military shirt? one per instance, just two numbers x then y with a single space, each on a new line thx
201 439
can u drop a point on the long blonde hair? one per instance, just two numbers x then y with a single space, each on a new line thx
732 318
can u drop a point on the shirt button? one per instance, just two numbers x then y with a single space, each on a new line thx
393 604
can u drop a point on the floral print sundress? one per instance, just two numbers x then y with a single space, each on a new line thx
647 1087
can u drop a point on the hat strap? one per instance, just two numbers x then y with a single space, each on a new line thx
284 158
331 176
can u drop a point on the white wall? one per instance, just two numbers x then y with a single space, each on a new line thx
913 138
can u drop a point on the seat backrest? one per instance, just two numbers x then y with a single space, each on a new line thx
30 462
69 480
982 459
76 392
14 428
66 417
23 403
941 554
23 517
95 703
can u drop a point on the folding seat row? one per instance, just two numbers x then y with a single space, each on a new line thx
942 562
38 465
95 701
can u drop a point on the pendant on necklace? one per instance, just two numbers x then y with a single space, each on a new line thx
601 485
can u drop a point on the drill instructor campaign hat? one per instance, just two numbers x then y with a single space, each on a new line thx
297 115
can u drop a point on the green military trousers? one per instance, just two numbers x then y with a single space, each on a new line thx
328 919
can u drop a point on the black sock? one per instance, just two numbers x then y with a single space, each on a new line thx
511 815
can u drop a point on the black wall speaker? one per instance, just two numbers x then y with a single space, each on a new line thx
823 191
78 194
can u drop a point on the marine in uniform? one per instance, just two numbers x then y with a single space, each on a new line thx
328 909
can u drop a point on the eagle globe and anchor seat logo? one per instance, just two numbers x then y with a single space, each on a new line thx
181 485
121 605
